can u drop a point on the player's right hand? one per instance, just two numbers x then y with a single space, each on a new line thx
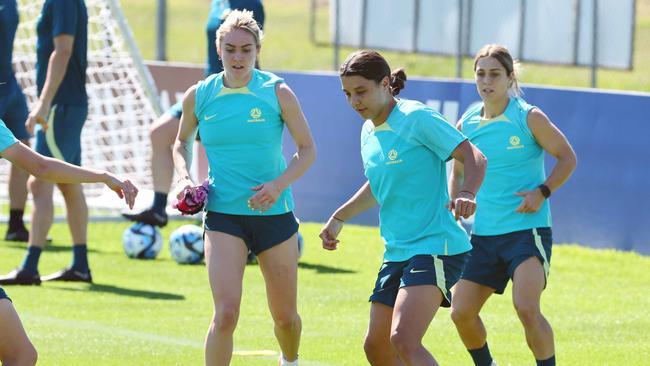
37 115
182 186
330 232
123 187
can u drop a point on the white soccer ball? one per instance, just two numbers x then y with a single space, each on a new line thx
142 241
186 244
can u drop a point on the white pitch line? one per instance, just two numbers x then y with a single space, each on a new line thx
86 325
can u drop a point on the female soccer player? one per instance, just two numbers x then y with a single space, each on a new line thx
511 236
164 130
404 147
240 114
15 347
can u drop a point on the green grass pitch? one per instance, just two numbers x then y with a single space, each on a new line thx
156 312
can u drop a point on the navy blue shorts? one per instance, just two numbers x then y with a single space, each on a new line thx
3 294
494 258
438 270
176 110
258 232
63 138
13 110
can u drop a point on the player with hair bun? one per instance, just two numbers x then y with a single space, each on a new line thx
404 147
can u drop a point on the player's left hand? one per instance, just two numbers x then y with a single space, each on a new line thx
38 115
533 200
123 187
267 194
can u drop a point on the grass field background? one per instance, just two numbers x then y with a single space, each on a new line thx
287 45
156 312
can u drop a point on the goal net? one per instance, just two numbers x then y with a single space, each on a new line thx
122 100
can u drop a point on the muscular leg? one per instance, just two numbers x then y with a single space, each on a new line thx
527 286
43 213
279 266
379 351
15 346
225 257
18 186
415 307
163 133
467 301
76 210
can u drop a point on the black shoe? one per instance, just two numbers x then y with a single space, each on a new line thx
20 276
148 216
70 275
17 235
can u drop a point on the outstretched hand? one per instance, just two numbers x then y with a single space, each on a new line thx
123 187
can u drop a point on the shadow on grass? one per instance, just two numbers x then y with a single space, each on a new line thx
319 268
153 295
48 247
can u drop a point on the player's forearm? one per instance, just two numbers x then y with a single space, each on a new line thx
455 181
362 201
182 156
298 165
61 172
57 66
473 173
566 164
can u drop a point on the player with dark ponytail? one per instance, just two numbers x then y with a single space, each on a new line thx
404 146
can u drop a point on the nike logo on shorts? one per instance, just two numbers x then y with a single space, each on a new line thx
413 270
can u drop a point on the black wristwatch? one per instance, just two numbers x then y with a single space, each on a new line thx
546 192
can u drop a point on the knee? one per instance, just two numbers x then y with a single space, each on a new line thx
529 314
286 319
30 356
37 187
404 344
461 316
375 348
225 318
26 356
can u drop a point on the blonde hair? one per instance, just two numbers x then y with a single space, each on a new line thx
501 54
240 19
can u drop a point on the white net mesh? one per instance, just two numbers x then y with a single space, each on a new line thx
121 97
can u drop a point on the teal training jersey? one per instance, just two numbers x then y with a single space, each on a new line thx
404 161
6 137
515 163
241 130
68 17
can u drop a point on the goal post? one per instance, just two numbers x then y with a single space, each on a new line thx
122 99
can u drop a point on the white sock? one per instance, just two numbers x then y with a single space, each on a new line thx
284 362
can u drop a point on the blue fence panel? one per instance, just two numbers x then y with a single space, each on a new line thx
603 205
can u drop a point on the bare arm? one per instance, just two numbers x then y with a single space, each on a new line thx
473 163
358 203
268 192
56 69
58 171
456 178
182 150
553 141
